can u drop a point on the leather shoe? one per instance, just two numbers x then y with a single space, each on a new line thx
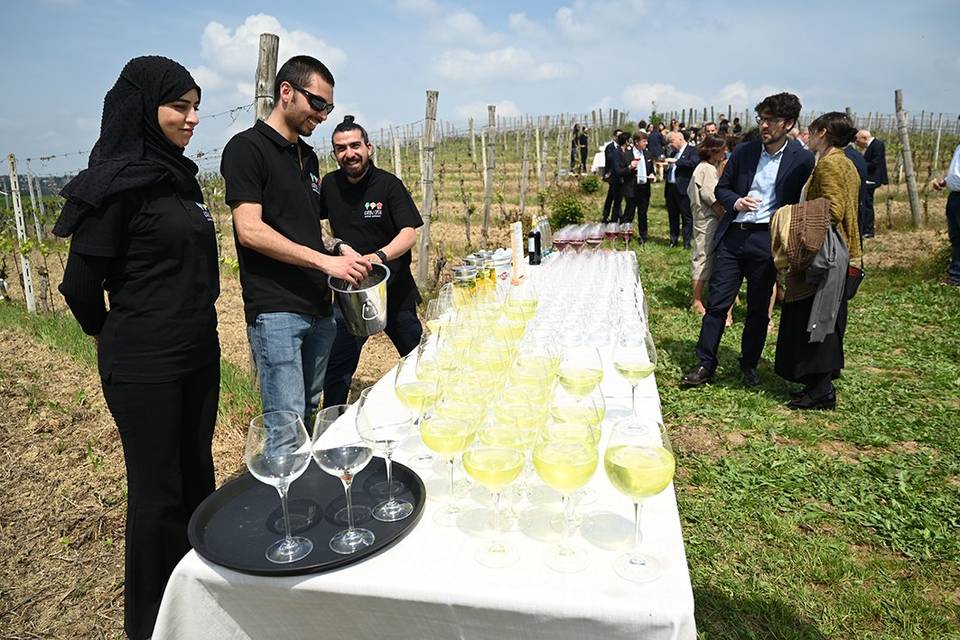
750 376
805 402
673 243
799 393
697 376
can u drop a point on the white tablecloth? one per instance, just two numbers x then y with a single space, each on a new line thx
429 585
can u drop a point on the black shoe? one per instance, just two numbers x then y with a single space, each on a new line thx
799 393
805 402
750 376
673 243
697 376
686 246
869 234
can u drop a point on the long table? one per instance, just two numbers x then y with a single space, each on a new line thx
429 585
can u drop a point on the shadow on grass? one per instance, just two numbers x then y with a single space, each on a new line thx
719 616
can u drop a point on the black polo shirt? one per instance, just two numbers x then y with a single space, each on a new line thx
162 282
367 216
260 165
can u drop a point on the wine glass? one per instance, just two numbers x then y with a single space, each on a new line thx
382 424
345 462
581 369
277 452
589 409
565 458
634 356
639 462
323 420
449 437
417 394
495 468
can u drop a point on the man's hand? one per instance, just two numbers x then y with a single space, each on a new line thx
747 203
352 269
718 209
652 177
372 257
938 184
347 250
633 164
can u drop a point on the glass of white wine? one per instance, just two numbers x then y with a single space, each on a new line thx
581 369
639 462
449 437
345 462
495 468
417 394
634 356
565 457
382 424
277 452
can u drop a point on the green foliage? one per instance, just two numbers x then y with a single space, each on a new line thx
566 207
590 184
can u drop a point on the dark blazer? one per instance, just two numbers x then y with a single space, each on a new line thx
861 164
630 186
876 156
620 167
609 152
655 144
796 165
686 163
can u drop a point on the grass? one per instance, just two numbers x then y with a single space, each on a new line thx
841 524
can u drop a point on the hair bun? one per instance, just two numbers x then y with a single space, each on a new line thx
348 119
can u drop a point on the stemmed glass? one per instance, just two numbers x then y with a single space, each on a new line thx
634 356
382 424
417 394
345 462
581 369
495 468
449 437
277 452
565 458
639 462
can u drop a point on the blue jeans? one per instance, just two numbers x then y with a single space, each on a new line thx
291 351
404 330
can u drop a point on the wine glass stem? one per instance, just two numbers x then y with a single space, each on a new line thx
637 536
389 478
282 490
497 515
451 463
567 518
633 398
346 492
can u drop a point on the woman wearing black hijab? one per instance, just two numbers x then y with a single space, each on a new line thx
141 232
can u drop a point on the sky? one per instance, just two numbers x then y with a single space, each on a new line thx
568 56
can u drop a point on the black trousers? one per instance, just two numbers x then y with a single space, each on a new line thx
678 210
612 205
638 203
583 159
867 221
404 330
741 253
166 429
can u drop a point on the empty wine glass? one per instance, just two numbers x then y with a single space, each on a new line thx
639 462
277 452
324 419
345 462
382 423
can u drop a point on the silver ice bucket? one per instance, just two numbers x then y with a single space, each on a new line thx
364 307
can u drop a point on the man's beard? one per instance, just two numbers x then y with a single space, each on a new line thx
356 170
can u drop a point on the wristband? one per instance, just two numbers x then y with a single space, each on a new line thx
336 247
383 257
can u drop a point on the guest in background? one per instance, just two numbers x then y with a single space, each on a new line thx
803 136
706 213
709 129
737 127
141 231
875 153
637 185
621 159
656 143
861 165
681 165
575 150
951 182
583 141
758 178
612 203
801 357
724 127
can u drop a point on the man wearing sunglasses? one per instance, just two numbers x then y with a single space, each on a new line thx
273 189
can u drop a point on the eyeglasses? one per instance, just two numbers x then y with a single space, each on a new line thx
316 102
761 120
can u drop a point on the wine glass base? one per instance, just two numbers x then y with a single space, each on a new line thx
421 461
392 510
584 497
637 567
361 513
286 551
497 555
447 516
383 489
567 559
350 541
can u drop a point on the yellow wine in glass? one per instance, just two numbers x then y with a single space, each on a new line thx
580 413
579 381
418 395
495 468
447 436
634 371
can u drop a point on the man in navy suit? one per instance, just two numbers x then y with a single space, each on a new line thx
759 177
677 178
861 164
875 153
611 206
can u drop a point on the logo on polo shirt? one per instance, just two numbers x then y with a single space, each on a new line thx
315 183
372 209
204 211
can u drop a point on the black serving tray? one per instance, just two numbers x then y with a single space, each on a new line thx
234 525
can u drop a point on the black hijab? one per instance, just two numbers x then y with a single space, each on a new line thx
132 151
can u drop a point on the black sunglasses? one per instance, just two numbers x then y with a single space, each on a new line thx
316 102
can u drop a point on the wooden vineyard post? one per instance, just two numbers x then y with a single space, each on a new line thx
483 157
915 210
538 150
525 170
26 273
559 153
397 166
266 74
423 248
936 148
489 165
473 143
542 160
33 205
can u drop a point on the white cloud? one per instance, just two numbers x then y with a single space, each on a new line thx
478 110
585 20
505 63
231 54
641 96
520 23
207 78
739 94
417 6
464 28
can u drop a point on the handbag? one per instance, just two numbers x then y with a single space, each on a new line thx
855 277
